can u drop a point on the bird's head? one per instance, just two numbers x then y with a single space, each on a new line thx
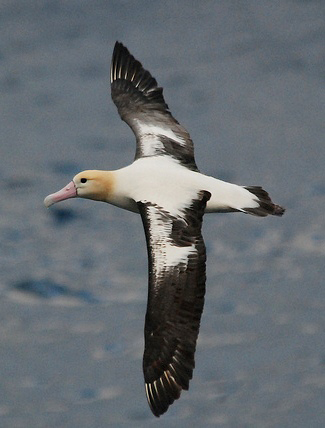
92 184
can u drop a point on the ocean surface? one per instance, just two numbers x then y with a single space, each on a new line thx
247 80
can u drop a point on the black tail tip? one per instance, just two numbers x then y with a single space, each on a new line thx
266 206
278 210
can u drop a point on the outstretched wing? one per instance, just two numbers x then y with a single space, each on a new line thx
176 253
141 105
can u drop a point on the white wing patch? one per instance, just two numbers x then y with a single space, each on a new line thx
150 143
166 253
145 128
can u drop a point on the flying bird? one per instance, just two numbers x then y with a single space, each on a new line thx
164 185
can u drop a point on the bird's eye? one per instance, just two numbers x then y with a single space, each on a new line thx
83 180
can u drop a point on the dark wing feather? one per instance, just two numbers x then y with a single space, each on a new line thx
175 299
141 105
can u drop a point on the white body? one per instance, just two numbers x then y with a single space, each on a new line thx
162 181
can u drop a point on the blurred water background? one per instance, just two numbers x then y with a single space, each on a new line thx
247 80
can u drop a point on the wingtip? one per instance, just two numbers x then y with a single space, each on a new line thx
161 393
128 75
118 46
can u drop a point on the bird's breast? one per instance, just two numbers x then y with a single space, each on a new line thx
162 182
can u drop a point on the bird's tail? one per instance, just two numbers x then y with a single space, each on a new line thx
266 206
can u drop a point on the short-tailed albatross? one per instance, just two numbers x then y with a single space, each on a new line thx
164 185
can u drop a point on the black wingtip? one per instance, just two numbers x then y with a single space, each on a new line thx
129 77
125 67
120 51
162 393
120 47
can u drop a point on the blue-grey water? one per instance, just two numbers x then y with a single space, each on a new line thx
247 80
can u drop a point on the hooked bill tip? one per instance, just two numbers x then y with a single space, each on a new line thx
48 201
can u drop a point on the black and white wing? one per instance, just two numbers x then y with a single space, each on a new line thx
141 105
177 256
